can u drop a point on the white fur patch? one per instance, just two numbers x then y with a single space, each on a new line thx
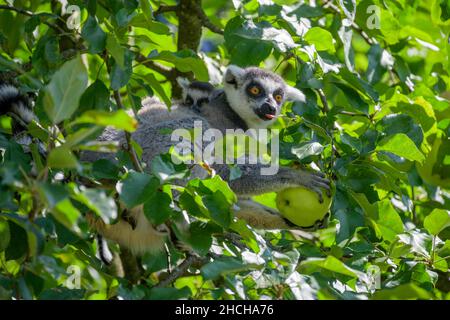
239 101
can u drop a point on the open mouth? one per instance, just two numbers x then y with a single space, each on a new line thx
265 116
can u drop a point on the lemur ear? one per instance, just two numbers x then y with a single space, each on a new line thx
293 94
233 75
183 83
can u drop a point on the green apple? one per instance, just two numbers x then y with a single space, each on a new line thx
302 207
425 169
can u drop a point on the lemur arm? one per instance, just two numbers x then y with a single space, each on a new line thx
252 182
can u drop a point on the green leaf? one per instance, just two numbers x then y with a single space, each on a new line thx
437 221
157 208
141 21
401 123
163 168
62 293
120 119
389 221
156 86
105 169
408 291
169 293
5 235
279 38
147 10
308 149
94 35
18 243
97 201
244 51
96 97
53 193
63 93
120 76
62 158
329 263
219 208
45 56
224 266
26 237
81 136
240 226
67 214
116 50
321 39
401 145
37 131
214 184
184 61
198 237
137 188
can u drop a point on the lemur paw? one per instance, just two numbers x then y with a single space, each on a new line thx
315 181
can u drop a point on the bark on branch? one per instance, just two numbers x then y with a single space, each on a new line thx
181 270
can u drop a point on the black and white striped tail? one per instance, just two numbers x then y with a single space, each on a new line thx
13 102
103 250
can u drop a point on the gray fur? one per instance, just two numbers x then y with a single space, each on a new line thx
229 109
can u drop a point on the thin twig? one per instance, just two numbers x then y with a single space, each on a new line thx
325 108
354 114
129 147
369 40
206 22
235 239
21 69
180 270
165 71
163 9
30 14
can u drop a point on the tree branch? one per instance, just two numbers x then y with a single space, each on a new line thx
354 114
325 108
21 69
129 147
163 9
165 71
369 40
130 265
180 270
206 22
30 14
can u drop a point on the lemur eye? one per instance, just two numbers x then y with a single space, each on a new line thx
254 90
278 98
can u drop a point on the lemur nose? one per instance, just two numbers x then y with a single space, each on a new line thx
267 108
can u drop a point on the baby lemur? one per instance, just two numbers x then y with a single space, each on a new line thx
251 98
195 94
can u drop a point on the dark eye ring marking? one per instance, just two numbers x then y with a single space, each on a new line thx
278 96
202 101
254 89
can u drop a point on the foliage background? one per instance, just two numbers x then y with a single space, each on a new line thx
376 103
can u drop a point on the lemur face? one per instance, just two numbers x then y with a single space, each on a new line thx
196 93
264 96
257 95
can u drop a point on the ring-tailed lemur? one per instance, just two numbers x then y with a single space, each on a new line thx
251 98
195 94
16 104
19 107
